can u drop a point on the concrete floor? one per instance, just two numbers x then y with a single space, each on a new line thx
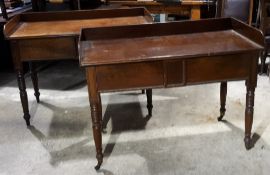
182 137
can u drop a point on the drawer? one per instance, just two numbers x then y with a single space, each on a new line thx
48 49
217 68
129 76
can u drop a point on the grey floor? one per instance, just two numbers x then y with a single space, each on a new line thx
182 137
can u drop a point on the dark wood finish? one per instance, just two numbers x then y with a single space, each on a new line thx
251 84
96 114
170 54
23 95
54 36
191 8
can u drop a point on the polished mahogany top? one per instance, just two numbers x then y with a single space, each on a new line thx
167 41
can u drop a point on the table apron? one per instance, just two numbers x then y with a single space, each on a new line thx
48 48
171 73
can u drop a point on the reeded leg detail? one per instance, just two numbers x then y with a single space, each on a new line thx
223 94
96 113
23 96
149 101
34 78
249 116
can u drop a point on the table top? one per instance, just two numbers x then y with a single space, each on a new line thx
69 27
166 43
65 24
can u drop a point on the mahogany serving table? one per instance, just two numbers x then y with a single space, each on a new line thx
170 55
54 36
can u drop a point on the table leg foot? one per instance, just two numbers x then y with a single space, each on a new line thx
248 142
27 119
100 160
149 101
222 113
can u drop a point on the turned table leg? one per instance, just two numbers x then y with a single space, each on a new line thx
34 78
23 95
149 101
223 94
249 115
97 128
251 84
96 113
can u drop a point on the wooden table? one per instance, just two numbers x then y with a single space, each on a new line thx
54 36
170 55
191 8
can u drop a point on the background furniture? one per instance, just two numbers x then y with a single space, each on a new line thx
54 36
239 9
45 5
167 55
5 55
191 8
3 9
265 28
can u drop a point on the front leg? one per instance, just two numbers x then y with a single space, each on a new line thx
223 94
23 95
96 113
249 115
251 84
34 78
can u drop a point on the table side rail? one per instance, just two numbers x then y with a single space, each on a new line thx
11 26
157 29
251 33
82 14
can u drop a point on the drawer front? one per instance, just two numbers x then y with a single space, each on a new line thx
48 49
217 68
129 76
174 72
